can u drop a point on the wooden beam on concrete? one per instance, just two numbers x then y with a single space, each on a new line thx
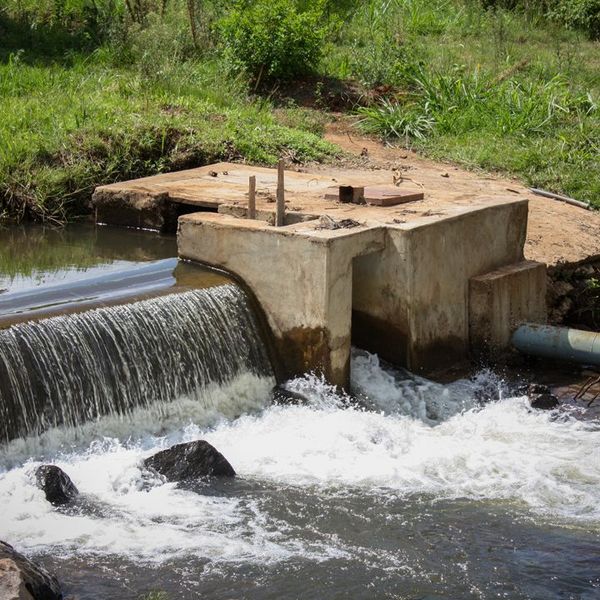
252 197
280 207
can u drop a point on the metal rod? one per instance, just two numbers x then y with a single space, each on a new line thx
566 199
252 197
563 343
280 208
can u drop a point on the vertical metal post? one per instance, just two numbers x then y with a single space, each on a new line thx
280 208
252 197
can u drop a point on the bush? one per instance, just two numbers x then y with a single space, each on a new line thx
578 14
273 40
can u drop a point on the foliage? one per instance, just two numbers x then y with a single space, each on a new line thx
578 14
494 89
155 596
107 124
93 91
391 119
272 39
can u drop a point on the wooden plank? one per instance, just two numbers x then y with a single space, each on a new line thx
380 195
390 196
252 197
280 208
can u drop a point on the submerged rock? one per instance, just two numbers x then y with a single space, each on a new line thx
541 397
22 579
282 396
56 484
190 461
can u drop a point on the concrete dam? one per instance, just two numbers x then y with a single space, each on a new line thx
424 280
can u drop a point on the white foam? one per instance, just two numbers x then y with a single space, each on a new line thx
422 439
503 451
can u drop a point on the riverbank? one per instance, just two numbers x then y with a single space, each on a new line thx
77 112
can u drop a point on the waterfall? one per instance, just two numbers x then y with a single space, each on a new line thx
71 369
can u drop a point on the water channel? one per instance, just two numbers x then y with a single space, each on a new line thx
407 489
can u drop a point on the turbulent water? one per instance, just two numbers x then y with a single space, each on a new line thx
72 369
415 490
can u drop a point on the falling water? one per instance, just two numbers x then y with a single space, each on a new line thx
71 369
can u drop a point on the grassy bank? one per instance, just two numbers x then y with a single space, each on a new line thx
142 101
84 102
492 89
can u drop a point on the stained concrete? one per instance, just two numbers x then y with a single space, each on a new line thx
501 300
301 276
399 287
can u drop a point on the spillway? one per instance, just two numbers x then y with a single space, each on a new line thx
70 369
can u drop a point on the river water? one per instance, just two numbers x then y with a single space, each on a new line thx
409 490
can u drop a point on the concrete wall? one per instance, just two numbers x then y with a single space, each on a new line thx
303 283
401 290
503 299
417 290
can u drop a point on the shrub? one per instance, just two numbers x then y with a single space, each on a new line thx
273 40
578 14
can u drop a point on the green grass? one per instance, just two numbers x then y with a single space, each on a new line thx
72 122
80 106
487 89
64 130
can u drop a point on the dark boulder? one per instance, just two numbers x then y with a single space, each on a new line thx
56 484
282 396
22 579
541 397
190 461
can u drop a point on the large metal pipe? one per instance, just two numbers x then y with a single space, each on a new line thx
558 342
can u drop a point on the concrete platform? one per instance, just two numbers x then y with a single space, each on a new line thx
156 202
397 282
421 283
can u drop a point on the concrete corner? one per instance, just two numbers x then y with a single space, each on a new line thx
501 300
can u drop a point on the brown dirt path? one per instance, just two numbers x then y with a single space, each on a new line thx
556 233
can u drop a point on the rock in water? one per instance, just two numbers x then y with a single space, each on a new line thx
22 579
56 484
540 397
190 461
283 396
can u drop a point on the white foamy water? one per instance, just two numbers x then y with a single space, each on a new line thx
418 438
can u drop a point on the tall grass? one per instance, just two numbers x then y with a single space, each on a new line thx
493 89
91 93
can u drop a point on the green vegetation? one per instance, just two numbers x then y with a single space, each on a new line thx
271 40
579 14
139 101
493 89
96 91
155 596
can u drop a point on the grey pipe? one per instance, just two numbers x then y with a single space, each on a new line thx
558 342
566 199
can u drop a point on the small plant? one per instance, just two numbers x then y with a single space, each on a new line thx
392 119
155 596
273 40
